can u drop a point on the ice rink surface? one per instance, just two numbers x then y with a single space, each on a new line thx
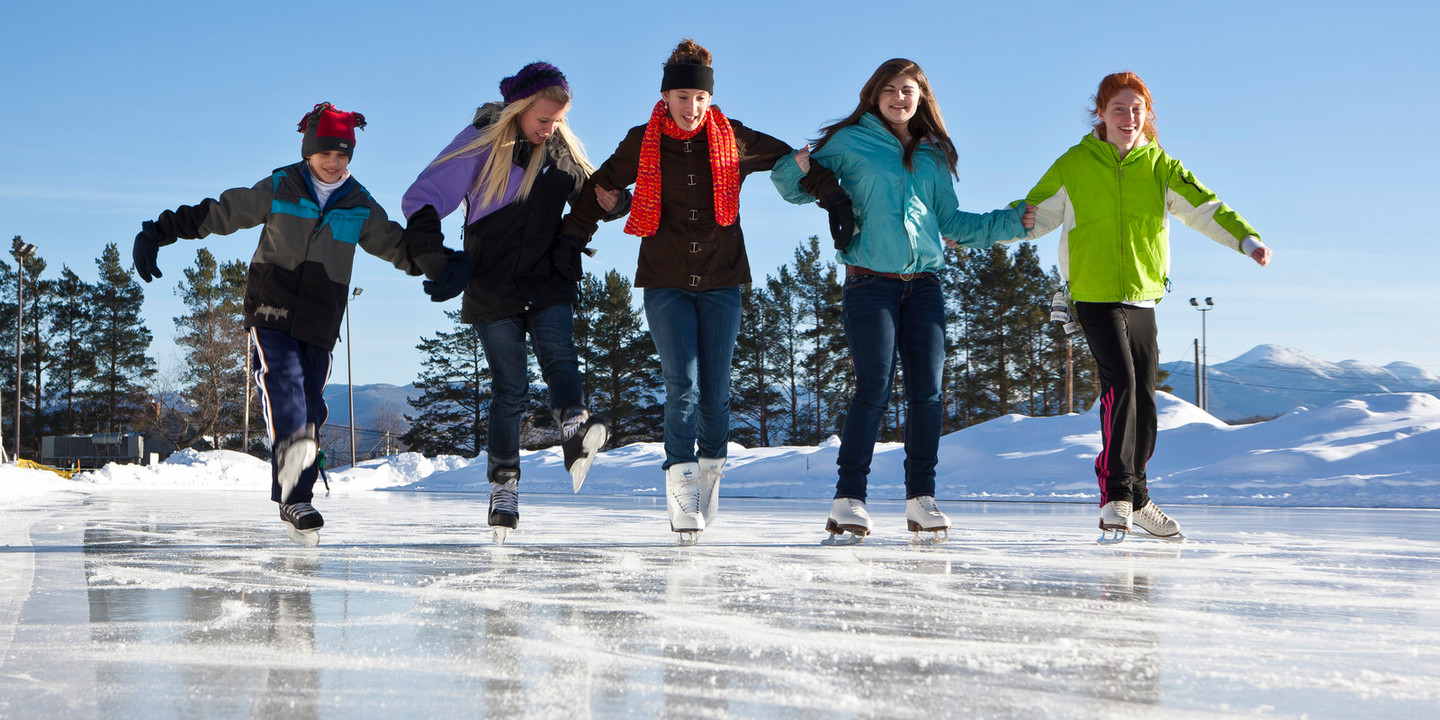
162 603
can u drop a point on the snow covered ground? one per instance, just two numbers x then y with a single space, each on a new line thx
170 591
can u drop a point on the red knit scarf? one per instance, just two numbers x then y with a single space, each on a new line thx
724 168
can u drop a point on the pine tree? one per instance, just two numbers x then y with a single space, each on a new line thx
990 296
455 393
35 350
826 368
755 401
70 326
116 392
784 339
210 405
618 360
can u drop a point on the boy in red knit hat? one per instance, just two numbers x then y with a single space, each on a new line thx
315 214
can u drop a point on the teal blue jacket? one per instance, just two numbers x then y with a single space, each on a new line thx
900 215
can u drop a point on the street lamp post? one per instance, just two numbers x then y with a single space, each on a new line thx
349 374
22 251
1203 394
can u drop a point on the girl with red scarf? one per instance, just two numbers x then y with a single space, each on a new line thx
687 164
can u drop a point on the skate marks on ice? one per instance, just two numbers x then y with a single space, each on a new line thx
199 607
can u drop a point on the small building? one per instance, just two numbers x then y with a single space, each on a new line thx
92 451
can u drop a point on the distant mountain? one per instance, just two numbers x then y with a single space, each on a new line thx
369 399
1272 380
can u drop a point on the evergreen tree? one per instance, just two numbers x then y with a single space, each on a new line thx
455 393
7 353
618 360
70 326
990 296
825 367
784 340
116 391
1034 368
35 350
755 401
209 407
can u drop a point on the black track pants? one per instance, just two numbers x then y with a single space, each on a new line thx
1122 339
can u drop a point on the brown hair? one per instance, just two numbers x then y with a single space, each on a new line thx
1109 88
689 52
927 125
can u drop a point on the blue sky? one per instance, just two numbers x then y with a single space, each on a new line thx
115 112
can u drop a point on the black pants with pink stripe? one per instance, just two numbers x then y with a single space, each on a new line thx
1122 338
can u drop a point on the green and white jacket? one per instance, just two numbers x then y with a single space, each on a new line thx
1114 218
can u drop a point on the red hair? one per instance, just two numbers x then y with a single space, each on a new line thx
1109 88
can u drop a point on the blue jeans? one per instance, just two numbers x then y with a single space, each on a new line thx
551 331
694 333
882 316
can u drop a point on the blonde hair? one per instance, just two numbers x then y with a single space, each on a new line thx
499 138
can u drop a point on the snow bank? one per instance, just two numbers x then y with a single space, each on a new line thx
1366 451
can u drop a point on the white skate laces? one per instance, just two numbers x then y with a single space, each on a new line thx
921 515
1153 520
505 497
682 499
849 522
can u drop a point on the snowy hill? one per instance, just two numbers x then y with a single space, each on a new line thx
1367 451
1270 380
369 399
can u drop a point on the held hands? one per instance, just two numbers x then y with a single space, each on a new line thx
802 158
147 250
1027 220
607 198
452 279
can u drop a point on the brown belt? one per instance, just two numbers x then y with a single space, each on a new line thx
907 277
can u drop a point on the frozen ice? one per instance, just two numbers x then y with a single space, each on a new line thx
180 602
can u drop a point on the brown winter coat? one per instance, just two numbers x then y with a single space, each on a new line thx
690 250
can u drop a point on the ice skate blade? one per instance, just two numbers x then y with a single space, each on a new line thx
1111 536
595 438
687 538
499 534
303 538
839 539
935 538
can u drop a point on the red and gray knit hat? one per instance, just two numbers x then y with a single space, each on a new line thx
532 79
327 128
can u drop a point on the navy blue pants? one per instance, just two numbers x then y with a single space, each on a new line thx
291 376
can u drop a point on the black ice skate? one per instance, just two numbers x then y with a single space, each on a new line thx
302 523
504 500
582 434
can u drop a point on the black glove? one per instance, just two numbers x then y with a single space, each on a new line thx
452 278
426 243
565 256
842 219
147 250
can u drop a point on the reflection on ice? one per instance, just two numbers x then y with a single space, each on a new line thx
200 607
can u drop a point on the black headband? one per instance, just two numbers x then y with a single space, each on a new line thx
687 76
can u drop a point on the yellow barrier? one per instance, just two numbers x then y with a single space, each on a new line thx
31 464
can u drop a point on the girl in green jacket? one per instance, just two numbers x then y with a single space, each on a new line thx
1110 196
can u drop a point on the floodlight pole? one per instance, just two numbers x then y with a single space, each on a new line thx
349 373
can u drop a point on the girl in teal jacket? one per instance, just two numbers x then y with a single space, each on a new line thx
896 164
1110 194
